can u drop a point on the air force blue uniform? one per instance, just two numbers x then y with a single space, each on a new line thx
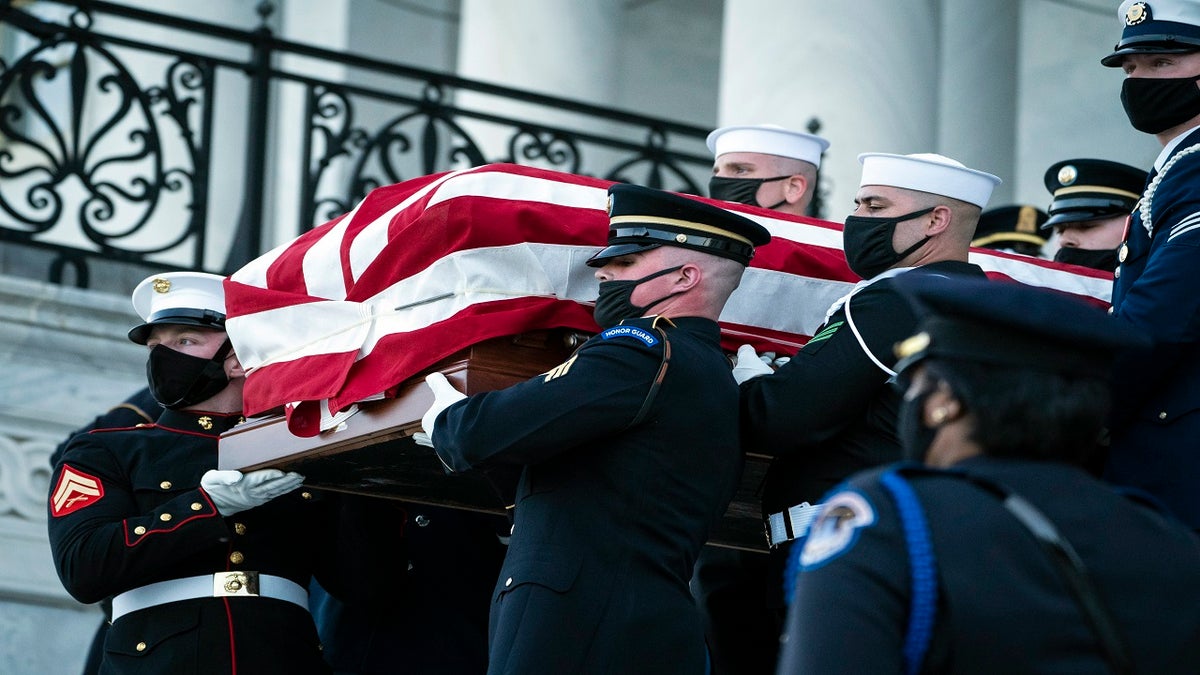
611 512
1156 430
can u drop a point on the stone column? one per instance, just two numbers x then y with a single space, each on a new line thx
867 70
978 85
564 49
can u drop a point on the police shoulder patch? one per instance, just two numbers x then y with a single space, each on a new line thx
646 337
74 491
836 528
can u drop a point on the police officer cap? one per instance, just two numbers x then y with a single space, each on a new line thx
642 218
768 139
927 172
1008 324
1010 224
1086 189
1156 27
178 298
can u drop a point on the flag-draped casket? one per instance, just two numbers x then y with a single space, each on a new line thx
432 268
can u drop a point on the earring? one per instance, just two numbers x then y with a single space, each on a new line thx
939 415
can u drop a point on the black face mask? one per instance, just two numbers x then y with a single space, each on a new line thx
179 380
1157 104
915 438
1098 259
741 190
867 242
614 306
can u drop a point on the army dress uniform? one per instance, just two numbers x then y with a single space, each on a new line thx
611 512
1156 434
126 512
830 412
1000 604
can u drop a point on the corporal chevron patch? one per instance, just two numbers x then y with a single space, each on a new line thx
74 491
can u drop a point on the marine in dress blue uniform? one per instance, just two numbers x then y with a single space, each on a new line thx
829 411
629 452
1001 555
1156 427
192 591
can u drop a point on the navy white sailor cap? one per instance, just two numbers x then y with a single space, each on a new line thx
768 139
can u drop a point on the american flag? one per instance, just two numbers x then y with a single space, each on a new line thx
421 269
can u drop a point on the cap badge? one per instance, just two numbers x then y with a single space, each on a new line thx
1137 13
1067 174
608 206
162 285
1027 219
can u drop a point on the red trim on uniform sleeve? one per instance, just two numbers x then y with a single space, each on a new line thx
74 491
176 526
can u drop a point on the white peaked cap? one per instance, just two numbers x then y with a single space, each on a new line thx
927 172
768 139
181 298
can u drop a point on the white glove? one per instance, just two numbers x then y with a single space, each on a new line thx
749 365
233 492
444 394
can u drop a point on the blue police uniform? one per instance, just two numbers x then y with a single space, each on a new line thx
610 515
1001 605
1156 429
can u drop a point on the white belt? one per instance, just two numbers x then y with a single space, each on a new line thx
790 524
221 584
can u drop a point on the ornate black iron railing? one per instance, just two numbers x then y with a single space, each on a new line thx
109 162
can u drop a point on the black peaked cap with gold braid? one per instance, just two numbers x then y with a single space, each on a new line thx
1087 189
641 219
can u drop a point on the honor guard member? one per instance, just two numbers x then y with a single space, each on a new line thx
629 451
777 168
1012 229
766 165
1156 429
206 569
1090 207
829 411
999 554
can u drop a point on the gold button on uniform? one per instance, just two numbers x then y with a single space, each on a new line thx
166 485
165 517
141 647
196 506
306 494
236 558
139 530
1162 415
239 528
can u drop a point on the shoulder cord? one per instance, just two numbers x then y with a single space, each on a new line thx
1057 547
863 343
922 608
1148 196
658 378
